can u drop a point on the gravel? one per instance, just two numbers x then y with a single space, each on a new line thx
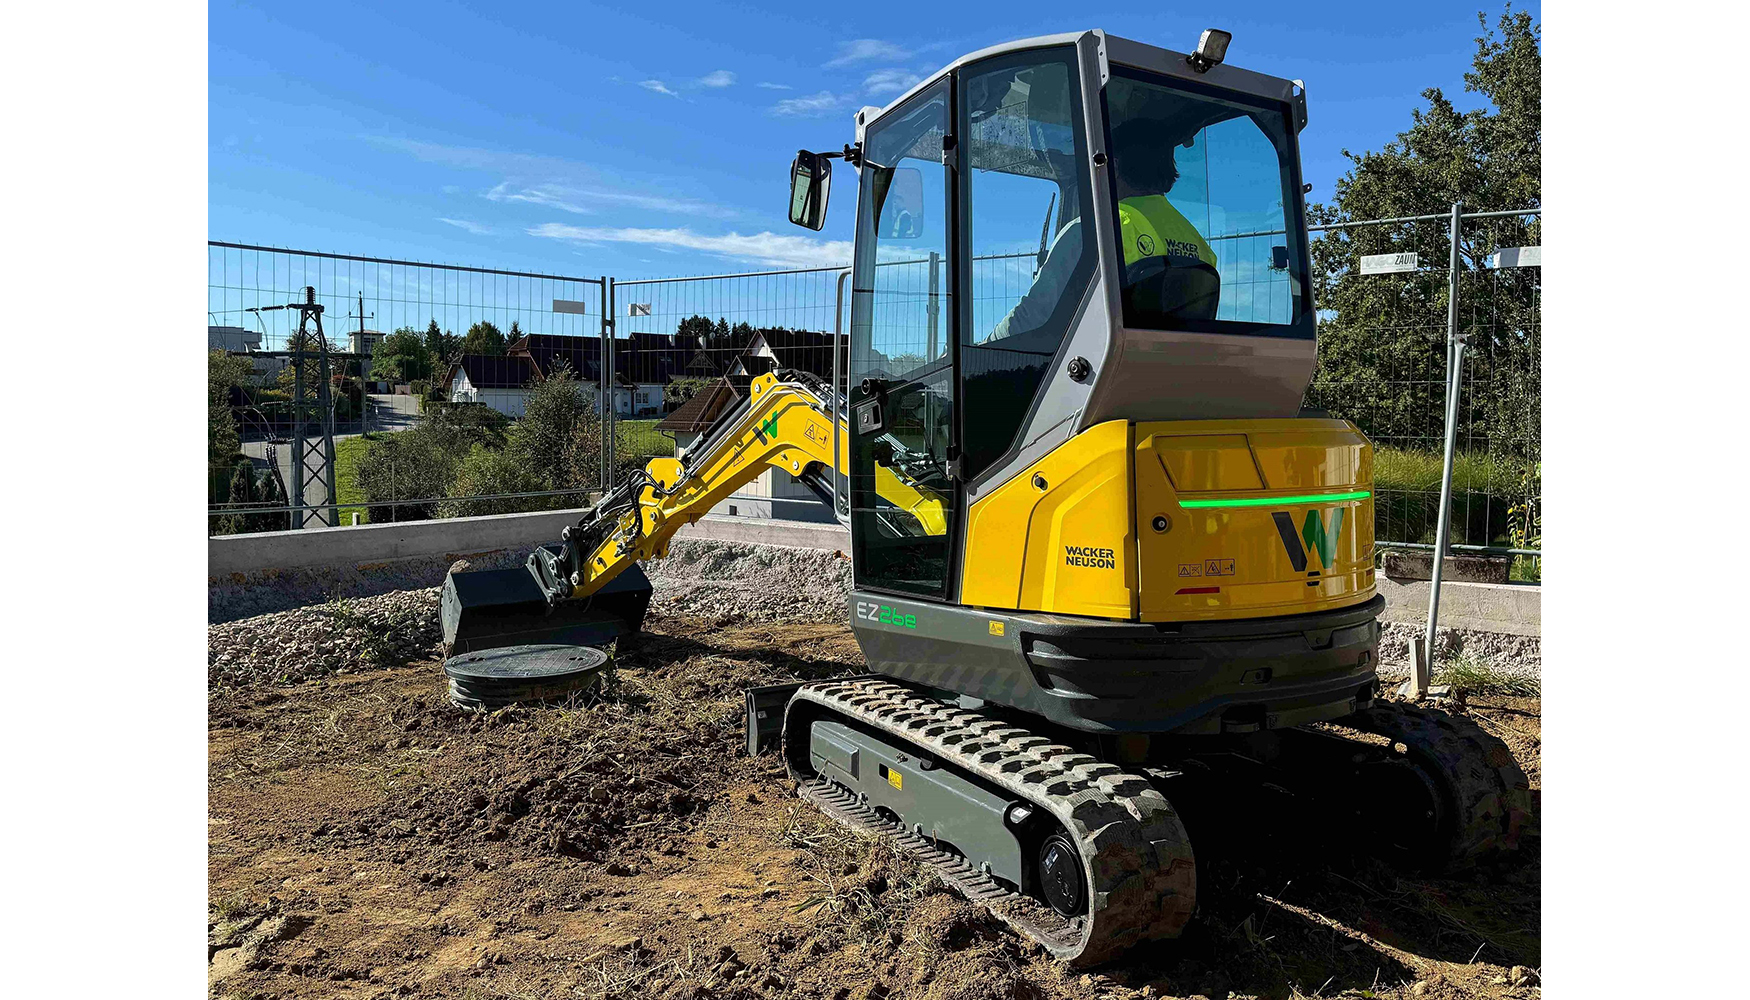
723 581
339 637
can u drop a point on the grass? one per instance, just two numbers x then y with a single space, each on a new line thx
1477 677
1403 471
348 453
862 883
1406 487
640 437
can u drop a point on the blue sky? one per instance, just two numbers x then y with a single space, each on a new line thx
656 140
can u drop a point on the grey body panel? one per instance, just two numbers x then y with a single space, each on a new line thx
944 804
1090 675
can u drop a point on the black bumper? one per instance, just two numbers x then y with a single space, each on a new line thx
1204 677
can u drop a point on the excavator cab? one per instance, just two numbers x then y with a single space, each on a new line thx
1081 310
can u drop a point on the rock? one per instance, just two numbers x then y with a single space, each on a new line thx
1419 989
1519 975
230 961
700 915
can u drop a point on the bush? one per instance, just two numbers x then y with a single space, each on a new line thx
486 473
421 464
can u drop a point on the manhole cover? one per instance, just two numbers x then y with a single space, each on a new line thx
493 678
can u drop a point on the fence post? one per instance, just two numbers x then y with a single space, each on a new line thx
605 384
840 407
1422 661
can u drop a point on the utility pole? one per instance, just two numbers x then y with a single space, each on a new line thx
310 463
365 349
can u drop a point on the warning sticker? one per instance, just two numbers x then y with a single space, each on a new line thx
996 628
893 778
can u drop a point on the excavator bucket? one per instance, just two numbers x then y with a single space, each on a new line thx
486 609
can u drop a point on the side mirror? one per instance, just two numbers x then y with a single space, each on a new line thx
810 184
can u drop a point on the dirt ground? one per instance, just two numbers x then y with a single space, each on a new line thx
369 840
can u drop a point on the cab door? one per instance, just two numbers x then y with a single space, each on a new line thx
903 330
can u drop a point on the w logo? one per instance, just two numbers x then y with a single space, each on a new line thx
767 428
1313 533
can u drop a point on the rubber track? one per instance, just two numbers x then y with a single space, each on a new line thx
1493 794
1135 854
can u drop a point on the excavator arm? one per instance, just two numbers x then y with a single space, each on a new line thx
786 423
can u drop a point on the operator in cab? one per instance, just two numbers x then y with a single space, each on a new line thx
1169 268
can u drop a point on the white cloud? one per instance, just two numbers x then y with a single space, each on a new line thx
890 81
775 86
568 198
553 182
763 248
474 158
473 227
867 50
718 78
658 86
819 105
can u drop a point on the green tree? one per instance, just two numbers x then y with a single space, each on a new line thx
694 331
225 373
1381 337
401 357
483 338
440 344
678 391
721 338
551 413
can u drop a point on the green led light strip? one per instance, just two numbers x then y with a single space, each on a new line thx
1278 501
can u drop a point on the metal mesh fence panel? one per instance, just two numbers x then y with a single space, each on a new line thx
407 347
684 350
1383 363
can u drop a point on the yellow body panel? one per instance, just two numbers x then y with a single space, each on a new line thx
1067 548
1033 549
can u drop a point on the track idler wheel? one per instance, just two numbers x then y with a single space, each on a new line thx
1060 876
1463 795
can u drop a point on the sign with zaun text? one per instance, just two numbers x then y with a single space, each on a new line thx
1517 257
570 306
637 308
1388 263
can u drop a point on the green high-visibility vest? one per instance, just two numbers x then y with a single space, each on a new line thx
1149 226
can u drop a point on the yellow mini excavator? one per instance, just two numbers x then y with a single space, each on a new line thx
1098 547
